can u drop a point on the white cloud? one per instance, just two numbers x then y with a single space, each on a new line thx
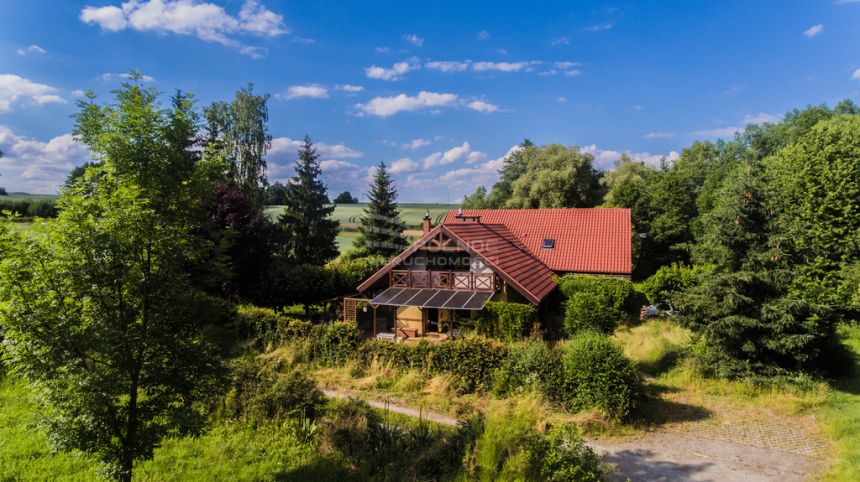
605 158
78 93
813 30
565 64
560 41
312 91
573 73
501 51
31 50
414 40
856 74
416 144
206 21
388 106
638 107
659 135
598 27
562 99
467 178
760 118
483 35
451 155
403 165
396 71
17 90
448 66
110 77
349 88
284 150
503 66
719 132
734 89
38 167
334 165
481 106
383 50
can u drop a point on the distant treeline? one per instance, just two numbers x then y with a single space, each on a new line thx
30 208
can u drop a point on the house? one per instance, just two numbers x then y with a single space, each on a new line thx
476 256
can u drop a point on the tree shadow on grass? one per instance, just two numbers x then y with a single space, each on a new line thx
642 464
655 411
319 470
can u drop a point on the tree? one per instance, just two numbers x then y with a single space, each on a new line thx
240 129
345 198
97 309
308 230
381 230
77 172
555 177
477 200
276 194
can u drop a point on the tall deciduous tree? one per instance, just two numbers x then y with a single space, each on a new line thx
96 305
309 232
381 230
240 128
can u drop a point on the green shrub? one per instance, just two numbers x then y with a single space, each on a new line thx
267 328
529 365
348 428
597 375
619 292
588 311
334 343
561 455
508 321
668 280
257 392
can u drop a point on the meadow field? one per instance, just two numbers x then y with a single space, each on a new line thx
21 196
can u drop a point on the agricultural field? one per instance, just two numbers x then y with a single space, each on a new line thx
21 196
349 215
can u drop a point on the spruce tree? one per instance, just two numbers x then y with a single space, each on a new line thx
381 230
309 232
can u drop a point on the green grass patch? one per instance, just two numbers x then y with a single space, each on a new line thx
840 415
23 196
655 345
412 214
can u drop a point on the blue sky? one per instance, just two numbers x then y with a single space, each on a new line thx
439 90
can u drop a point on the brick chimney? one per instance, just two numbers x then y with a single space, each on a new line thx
427 221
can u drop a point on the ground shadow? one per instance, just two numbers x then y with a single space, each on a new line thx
641 464
320 470
655 410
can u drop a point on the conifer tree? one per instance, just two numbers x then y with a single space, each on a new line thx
309 232
381 230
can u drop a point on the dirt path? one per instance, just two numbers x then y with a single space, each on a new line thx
670 455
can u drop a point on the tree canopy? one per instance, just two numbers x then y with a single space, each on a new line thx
381 231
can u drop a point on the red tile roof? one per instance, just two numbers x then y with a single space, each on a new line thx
594 240
498 247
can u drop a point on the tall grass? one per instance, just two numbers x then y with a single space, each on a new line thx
840 416
655 345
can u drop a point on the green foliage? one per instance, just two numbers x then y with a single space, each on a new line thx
30 208
381 231
597 375
508 321
334 343
309 232
267 328
257 392
509 447
276 194
529 365
555 177
671 279
595 303
347 274
472 361
345 198
588 311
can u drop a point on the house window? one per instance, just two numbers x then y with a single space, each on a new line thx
548 243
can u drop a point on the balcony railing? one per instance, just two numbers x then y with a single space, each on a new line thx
446 280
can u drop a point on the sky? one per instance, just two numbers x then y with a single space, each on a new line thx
440 91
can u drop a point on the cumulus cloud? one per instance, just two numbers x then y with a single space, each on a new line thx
483 35
401 166
18 90
760 118
659 135
312 91
110 77
334 165
31 50
284 149
481 106
396 71
448 66
451 155
813 30
605 158
38 167
562 99
483 174
206 21
718 132
856 75
416 144
383 50
504 66
414 40
349 88
560 41
388 106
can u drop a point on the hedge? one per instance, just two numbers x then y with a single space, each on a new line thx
619 292
507 321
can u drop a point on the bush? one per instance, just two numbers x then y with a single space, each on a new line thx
597 375
266 328
587 311
528 365
257 392
508 321
668 280
334 343
618 292
561 455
